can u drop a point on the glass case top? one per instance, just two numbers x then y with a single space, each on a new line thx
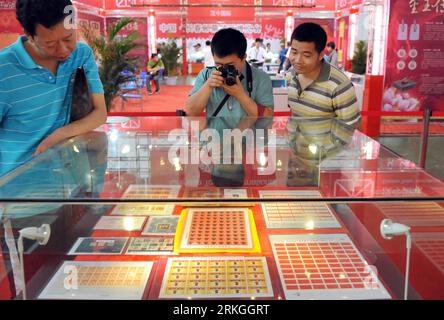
164 159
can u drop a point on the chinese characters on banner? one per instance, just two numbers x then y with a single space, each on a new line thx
139 26
136 4
267 29
415 56
212 14
168 26
299 5
346 4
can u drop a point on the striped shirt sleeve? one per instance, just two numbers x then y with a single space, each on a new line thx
345 104
92 72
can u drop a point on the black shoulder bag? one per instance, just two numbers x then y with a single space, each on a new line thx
81 104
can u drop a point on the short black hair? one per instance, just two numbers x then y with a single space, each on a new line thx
331 44
310 32
153 55
208 42
228 41
48 13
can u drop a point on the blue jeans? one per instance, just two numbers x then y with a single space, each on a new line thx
156 77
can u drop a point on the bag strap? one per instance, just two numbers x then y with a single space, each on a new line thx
249 88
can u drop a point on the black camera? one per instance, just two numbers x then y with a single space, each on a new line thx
229 73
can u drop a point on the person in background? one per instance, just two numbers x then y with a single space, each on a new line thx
262 43
159 49
332 54
229 49
256 54
154 69
209 61
318 89
269 54
282 56
198 54
35 101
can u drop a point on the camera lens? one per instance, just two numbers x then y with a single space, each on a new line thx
230 81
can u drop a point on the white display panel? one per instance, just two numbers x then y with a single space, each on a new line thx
324 266
98 280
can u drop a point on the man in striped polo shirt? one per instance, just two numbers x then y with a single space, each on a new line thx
34 78
318 89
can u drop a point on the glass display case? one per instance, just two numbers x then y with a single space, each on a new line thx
204 208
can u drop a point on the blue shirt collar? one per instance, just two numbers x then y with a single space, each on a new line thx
22 55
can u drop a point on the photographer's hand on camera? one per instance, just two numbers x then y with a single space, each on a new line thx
236 90
215 80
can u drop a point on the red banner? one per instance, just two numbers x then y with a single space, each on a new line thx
299 5
273 29
7 5
8 22
165 26
347 4
223 14
272 5
93 3
140 26
415 57
267 29
221 2
137 4
92 22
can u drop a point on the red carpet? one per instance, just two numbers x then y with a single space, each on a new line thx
167 100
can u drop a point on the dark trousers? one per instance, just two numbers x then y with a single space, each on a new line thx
156 79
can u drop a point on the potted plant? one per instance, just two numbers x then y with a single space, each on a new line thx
170 55
112 52
359 61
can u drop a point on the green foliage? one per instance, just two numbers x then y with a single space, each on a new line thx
170 54
359 61
112 52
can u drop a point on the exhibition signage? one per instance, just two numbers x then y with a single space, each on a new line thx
414 76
